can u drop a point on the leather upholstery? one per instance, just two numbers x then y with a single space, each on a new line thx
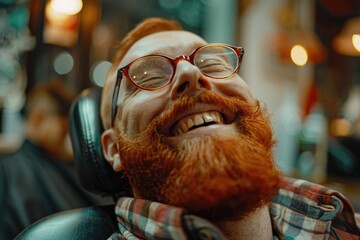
94 173
85 223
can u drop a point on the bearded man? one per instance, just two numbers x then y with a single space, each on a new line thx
196 147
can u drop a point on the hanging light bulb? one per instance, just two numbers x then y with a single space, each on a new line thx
299 55
299 44
62 22
296 41
69 7
356 41
347 42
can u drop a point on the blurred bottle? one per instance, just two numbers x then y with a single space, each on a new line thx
351 105
313 141
287 125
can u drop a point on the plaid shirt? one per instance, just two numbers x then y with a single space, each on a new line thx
300 210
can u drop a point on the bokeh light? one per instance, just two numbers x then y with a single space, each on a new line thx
70 7
299 55
356 41
99 72
63 63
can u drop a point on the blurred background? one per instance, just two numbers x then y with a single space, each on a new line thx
302 59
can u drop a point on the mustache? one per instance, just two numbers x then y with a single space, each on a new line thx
247 116
239 106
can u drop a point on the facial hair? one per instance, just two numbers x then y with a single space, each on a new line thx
216 176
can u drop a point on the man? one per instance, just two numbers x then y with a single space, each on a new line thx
40 178
184 129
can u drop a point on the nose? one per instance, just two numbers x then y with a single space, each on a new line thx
188 80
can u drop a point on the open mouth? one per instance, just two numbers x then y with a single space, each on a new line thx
196 117
195 121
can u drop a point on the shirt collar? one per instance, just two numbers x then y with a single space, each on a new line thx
143 219
299 209
310 210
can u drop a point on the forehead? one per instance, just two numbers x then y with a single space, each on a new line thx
168 43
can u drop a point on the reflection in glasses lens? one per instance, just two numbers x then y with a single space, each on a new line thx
151 72
216 61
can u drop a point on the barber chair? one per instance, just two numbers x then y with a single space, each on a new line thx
94 174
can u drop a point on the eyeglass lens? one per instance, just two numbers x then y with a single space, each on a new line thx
216 61
152 72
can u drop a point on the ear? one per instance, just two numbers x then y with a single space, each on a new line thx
110 149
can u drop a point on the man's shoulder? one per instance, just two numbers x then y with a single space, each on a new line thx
21 168
14 160
305 187
309 207
8 158
22 157
311 194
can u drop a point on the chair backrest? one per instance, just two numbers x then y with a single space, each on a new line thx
79 224
94 173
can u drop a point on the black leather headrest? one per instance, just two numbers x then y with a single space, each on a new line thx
83 223
94 173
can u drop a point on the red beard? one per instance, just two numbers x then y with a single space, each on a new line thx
213 176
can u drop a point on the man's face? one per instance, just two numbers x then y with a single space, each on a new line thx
199 143
138 108
54 136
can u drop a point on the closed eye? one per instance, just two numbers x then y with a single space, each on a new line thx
151 79
215 65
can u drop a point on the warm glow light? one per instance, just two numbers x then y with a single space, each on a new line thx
340 127
347 42
356 41
299 55
56 18
59 28
70 7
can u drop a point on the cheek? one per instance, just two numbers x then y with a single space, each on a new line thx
234 87
135 114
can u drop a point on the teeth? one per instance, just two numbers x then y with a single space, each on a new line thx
197 120
207 117
190 123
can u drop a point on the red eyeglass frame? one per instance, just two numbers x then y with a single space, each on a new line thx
124 71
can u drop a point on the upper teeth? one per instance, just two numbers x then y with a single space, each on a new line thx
196 120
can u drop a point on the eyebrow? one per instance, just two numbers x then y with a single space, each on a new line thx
192 46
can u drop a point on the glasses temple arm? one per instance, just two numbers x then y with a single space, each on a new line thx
115 96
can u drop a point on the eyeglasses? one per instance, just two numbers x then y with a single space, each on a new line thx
154 72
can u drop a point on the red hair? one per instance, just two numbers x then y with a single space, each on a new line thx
145 28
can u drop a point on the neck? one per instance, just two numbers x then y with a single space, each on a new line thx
257 225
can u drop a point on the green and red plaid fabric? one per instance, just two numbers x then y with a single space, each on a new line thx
301 210
304 210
